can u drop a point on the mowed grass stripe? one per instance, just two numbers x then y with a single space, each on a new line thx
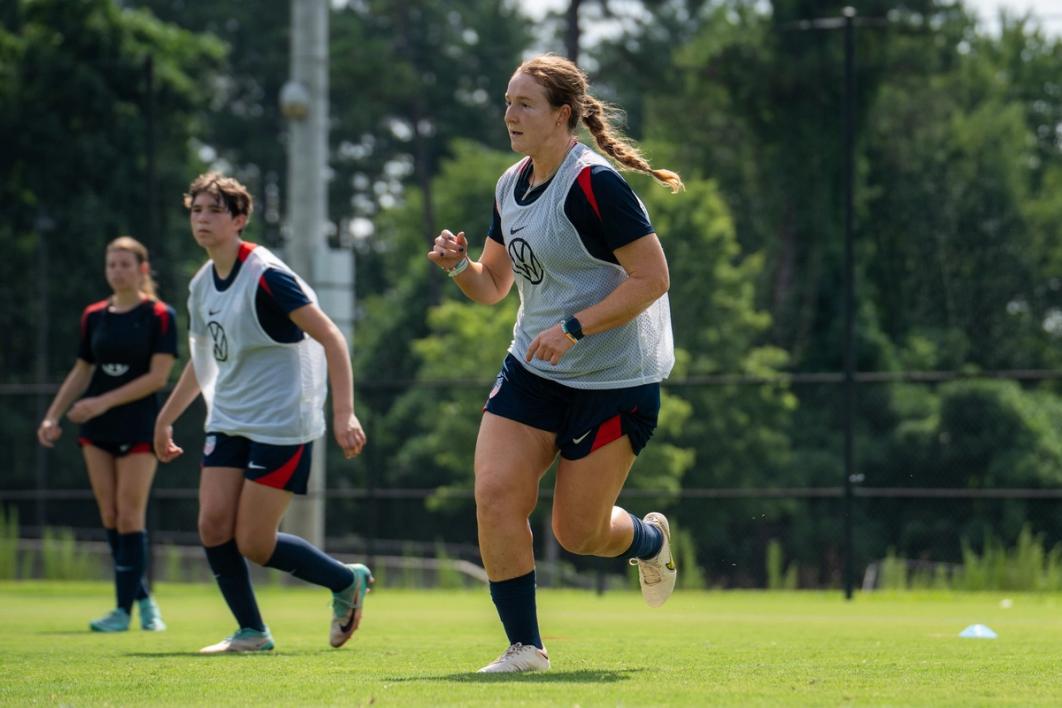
422 647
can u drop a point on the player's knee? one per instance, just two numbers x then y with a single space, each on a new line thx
579 545
576 538
489 489
129 521
109 518
495 500
254 546
214 529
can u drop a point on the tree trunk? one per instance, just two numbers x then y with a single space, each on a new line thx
571 33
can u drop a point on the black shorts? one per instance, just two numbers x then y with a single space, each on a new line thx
284 467
118 449
582 419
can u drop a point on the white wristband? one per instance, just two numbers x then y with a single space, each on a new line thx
459 268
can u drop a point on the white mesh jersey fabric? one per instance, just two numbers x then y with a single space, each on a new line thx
255 387
556 277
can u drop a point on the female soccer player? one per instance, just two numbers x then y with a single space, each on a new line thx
128 345
591 344
263 380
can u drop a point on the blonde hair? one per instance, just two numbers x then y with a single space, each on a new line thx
236 198
131 245
567 85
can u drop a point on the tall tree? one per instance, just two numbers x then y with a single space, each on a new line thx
79 119
74 108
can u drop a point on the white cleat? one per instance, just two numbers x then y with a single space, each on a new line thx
657 575
244 640
518 658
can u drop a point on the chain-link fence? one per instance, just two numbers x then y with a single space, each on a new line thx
946 464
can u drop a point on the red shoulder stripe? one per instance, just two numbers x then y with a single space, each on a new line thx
163 313
94 307
588 189
245 250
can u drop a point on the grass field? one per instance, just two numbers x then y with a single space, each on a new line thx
420 648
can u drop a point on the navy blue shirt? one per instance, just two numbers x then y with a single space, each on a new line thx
607 216
120 346
277 296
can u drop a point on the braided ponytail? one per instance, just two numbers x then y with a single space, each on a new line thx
598 117
567 85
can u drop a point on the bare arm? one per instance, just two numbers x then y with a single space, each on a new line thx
647 281
153 380
182 395
73 386
486 281
346 426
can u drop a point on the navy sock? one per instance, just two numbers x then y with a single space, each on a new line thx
234 580
129 567
308 562
142 588
112 541
515 601
647 540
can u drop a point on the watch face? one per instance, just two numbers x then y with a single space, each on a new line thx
573 327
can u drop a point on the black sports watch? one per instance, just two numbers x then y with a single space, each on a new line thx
573 328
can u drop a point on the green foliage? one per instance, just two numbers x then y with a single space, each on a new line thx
173 565
412 91
410 576
779 575
9 536
1027 567
684 548
76 166
60 559
446 576
728 434
893 572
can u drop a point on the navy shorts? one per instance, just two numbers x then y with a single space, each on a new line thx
284 467
582 419
118 449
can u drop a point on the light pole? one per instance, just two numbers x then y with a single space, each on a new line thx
847 22
849 295
304 102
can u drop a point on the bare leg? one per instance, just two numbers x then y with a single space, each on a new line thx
510 460
102 473
585 518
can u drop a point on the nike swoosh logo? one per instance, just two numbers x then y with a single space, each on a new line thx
255 466
580 438
344 628
670 565
213 312
513 231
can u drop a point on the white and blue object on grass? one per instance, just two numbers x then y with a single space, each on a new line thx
978 631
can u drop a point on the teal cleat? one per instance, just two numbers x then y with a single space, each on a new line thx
346 605
116 621
245 640
150 617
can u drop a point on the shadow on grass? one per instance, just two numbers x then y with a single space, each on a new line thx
581 676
